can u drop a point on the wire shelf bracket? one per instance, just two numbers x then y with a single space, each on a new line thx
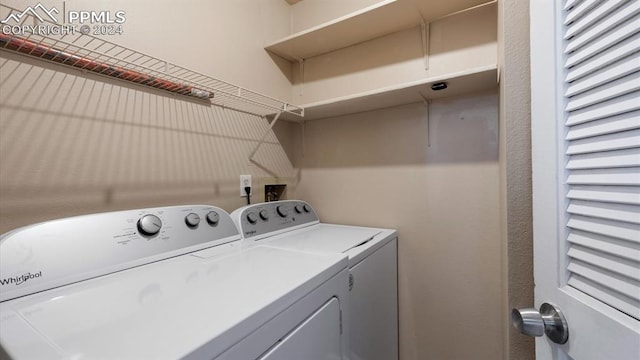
96 55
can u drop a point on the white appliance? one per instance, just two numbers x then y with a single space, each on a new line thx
165 283
372 254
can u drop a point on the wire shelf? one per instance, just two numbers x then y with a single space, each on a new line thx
86 52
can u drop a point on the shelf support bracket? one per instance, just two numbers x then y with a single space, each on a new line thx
427 109
301 69
264 136
425 43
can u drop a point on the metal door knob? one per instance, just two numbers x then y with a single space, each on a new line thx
549 320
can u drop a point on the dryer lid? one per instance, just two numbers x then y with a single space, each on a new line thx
325 238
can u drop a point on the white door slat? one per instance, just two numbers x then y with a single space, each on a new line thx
604 33
571 3
615 141
592 17
603 160
579 54
610 90
612 194
615 282
612 107
624 231
621 176
580 10
605 244
605 77
626 268
616 212
600 60
613 124
624 304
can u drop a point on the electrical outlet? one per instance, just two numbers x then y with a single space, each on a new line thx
245 180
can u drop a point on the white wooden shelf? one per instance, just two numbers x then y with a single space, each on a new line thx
382 18
473 80
388 16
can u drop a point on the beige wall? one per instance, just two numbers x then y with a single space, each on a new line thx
75 143
307 14
437 182
515 172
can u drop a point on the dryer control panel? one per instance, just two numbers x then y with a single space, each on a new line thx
258 221
59 252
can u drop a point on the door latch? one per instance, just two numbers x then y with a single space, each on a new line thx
549 320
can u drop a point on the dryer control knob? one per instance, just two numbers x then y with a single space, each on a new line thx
192 220
264 215
252 218
306 208
299 208
213 218
282 211
149 225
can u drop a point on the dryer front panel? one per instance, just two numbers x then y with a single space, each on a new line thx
317 338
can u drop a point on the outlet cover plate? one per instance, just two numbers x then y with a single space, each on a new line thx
245 180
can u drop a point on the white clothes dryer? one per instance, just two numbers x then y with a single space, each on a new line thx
372 254
165 283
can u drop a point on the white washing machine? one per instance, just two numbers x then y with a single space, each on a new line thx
165 283
372 254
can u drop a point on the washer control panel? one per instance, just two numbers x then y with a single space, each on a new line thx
259 220
59 252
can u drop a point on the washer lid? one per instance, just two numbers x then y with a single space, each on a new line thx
165 309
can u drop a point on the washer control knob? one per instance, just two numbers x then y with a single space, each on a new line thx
264 215
149 225
299 208
252 217
306 208
213 218
282 211
192 220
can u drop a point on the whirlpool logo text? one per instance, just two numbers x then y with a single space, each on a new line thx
19 280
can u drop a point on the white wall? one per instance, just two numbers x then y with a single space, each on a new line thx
438 184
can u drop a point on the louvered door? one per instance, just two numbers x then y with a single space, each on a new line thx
602 80
585 75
